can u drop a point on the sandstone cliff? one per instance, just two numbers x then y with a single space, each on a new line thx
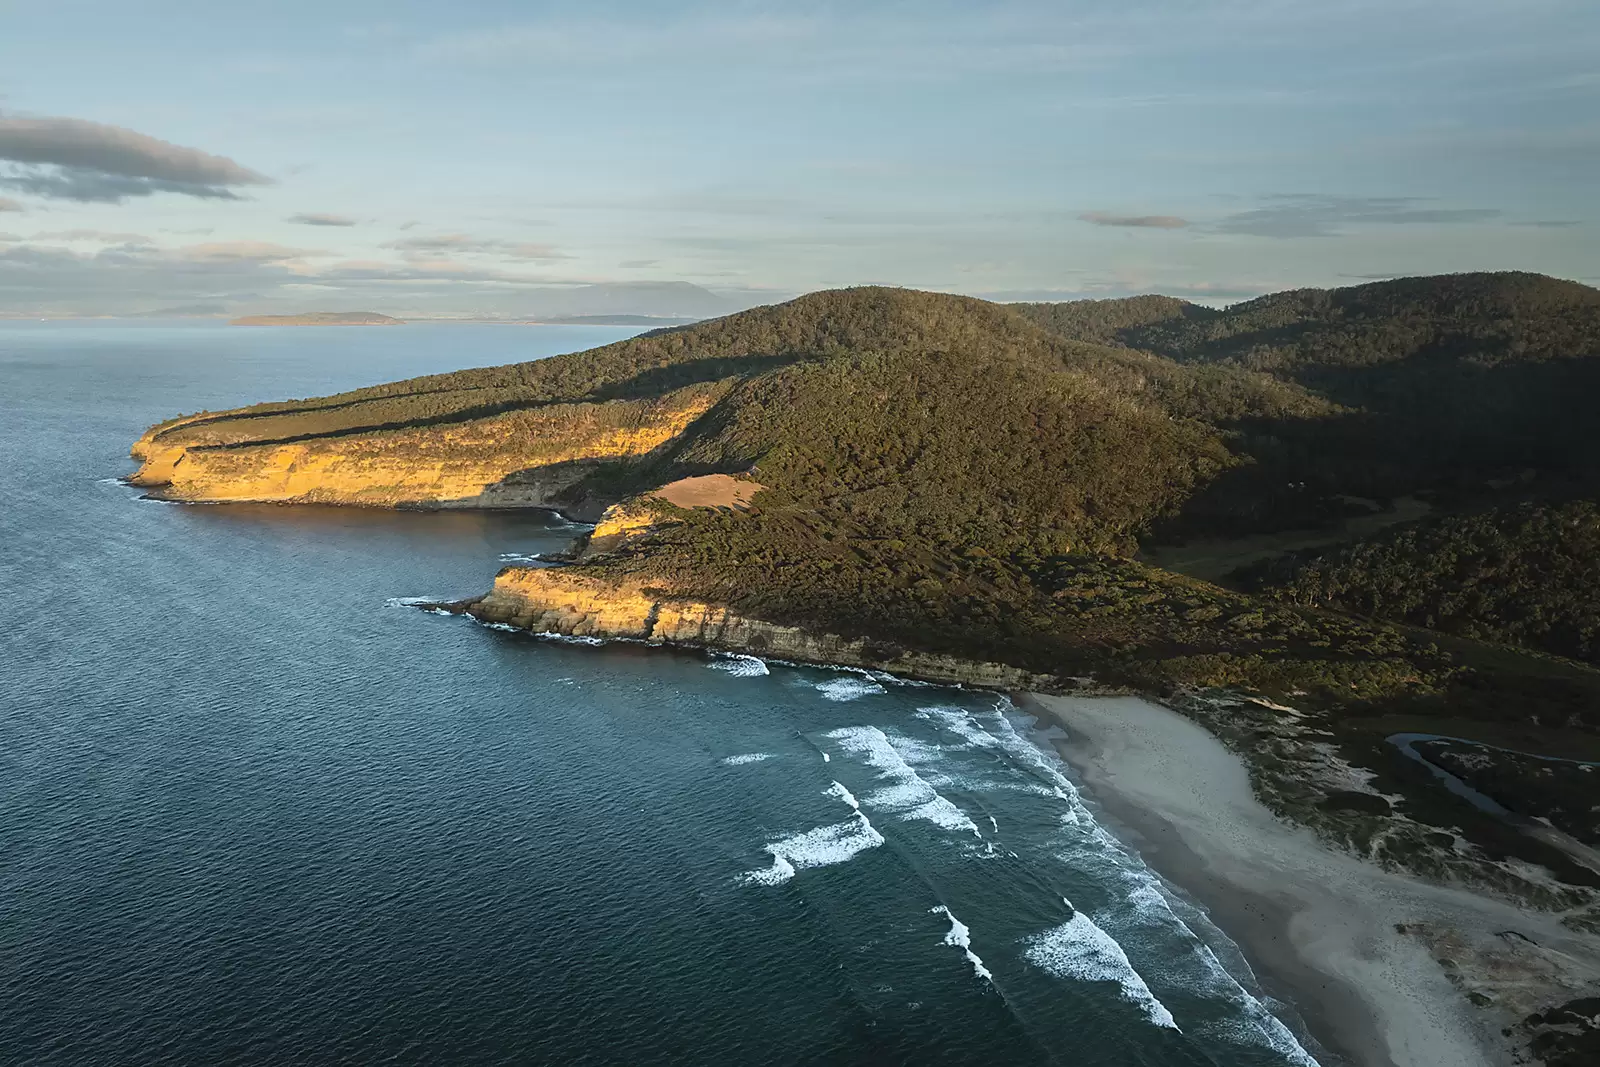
564 601
524 458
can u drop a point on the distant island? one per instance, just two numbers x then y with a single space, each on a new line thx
320 318
1352 533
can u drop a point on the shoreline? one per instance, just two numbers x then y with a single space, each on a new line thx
1321 929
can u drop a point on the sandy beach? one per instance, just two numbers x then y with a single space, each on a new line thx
1322 928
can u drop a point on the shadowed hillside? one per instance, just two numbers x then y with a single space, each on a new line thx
1526 575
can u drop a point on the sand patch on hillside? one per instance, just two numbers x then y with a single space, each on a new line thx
709 491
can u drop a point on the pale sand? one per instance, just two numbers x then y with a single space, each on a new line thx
1319 925
709 491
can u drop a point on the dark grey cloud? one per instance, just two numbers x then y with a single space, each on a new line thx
1551 224
318 218
1134 222
637 264
7 204
73 159
1308 215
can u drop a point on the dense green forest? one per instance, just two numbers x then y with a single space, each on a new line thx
1446 384
1526 575
951 475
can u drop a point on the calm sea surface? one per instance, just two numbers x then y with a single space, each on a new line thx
254 809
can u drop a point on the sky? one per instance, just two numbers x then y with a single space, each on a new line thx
510 159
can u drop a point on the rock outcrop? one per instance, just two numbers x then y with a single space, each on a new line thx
565 601
518 459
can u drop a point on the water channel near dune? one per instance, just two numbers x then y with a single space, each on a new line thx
254 808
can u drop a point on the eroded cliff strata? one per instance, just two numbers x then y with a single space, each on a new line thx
559 600
525 458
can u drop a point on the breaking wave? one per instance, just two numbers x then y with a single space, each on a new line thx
837 790
823 847
961 937
558 638
1081 951
738 666
906 793
746 757
842 689
1143 909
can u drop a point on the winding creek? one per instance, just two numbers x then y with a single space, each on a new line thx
1535 828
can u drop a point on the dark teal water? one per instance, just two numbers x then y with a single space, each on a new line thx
252 810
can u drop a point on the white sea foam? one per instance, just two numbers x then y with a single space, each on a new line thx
823 847
560 639
961 937
904 791
503 626
413 601
737 665
842 689
837 790
959 722
994 825
520 557
1144 906
1081 951
825 757
745 757
1147 905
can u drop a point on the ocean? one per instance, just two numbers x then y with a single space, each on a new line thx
256 807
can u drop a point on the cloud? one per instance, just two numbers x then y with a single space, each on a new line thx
637 264
463 244
7 204
101 236
1136 222
1550 224
1312 215
242 252
318 218
73 159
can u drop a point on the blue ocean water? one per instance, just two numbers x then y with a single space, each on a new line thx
255 808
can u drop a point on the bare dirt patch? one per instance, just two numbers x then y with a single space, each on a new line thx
709 491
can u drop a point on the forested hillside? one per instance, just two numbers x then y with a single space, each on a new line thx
1527 575
949 475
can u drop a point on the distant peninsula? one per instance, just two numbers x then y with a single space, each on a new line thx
320 318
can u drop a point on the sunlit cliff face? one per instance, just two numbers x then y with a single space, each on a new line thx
519 458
